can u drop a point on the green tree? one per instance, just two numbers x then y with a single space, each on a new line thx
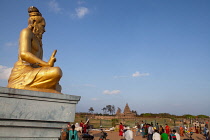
202 116
91 109
188 116
114 121
104 110
113 109
109 108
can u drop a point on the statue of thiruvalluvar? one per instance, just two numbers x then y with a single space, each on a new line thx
30 72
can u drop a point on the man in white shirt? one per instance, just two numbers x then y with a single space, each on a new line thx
128 135
177 135
150 132
156 135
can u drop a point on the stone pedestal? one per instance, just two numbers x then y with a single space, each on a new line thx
33 115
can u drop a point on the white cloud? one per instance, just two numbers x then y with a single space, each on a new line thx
81 12
11 44
138 74
4 72
54 6
111 92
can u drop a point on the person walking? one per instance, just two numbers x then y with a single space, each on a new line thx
177 135
206 132
157 127
161 130
181 130
150 132
81 125
138 129
156 135
164 136
121 127
167 129
173 136
128 135
143 133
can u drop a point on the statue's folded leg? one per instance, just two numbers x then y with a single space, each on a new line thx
47 78
43 79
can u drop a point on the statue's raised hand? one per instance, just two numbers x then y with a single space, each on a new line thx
52 59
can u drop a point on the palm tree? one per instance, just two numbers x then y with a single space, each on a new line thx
109 108
104 110
113 109
91 109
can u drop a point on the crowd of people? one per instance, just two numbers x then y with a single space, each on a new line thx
145 130
72 131
125 132
159 132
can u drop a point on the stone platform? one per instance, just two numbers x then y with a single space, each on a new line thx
33 115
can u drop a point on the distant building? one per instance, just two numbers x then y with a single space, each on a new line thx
126 114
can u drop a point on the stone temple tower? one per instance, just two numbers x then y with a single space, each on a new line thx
127 109
126 114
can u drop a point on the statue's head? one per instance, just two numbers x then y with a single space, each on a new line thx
36 22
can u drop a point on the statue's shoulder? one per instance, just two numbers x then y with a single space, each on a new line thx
26 32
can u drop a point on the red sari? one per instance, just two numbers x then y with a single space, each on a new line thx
120 130
181 129
167 128
81 125
84 128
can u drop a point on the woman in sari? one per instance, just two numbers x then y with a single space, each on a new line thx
73 133
161 130
181 130
121 129
167 129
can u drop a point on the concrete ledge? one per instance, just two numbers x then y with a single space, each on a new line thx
26 114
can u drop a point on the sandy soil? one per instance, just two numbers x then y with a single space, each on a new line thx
114 136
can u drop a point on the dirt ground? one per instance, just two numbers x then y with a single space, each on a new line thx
112 135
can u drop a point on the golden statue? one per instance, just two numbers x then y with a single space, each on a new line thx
30 72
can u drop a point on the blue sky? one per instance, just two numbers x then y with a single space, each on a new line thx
152 54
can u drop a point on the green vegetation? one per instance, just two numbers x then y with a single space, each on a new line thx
202 116
161 119
114 122
167 115
189 116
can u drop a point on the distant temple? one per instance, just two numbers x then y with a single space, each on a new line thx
126 114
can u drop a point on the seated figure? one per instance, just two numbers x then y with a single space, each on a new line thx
30 72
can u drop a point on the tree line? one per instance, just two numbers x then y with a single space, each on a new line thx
110 110
167 115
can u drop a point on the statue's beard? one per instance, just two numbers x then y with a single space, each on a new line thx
37 32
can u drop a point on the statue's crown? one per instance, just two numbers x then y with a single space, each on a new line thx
33 11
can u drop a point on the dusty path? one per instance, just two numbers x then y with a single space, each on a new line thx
112 135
